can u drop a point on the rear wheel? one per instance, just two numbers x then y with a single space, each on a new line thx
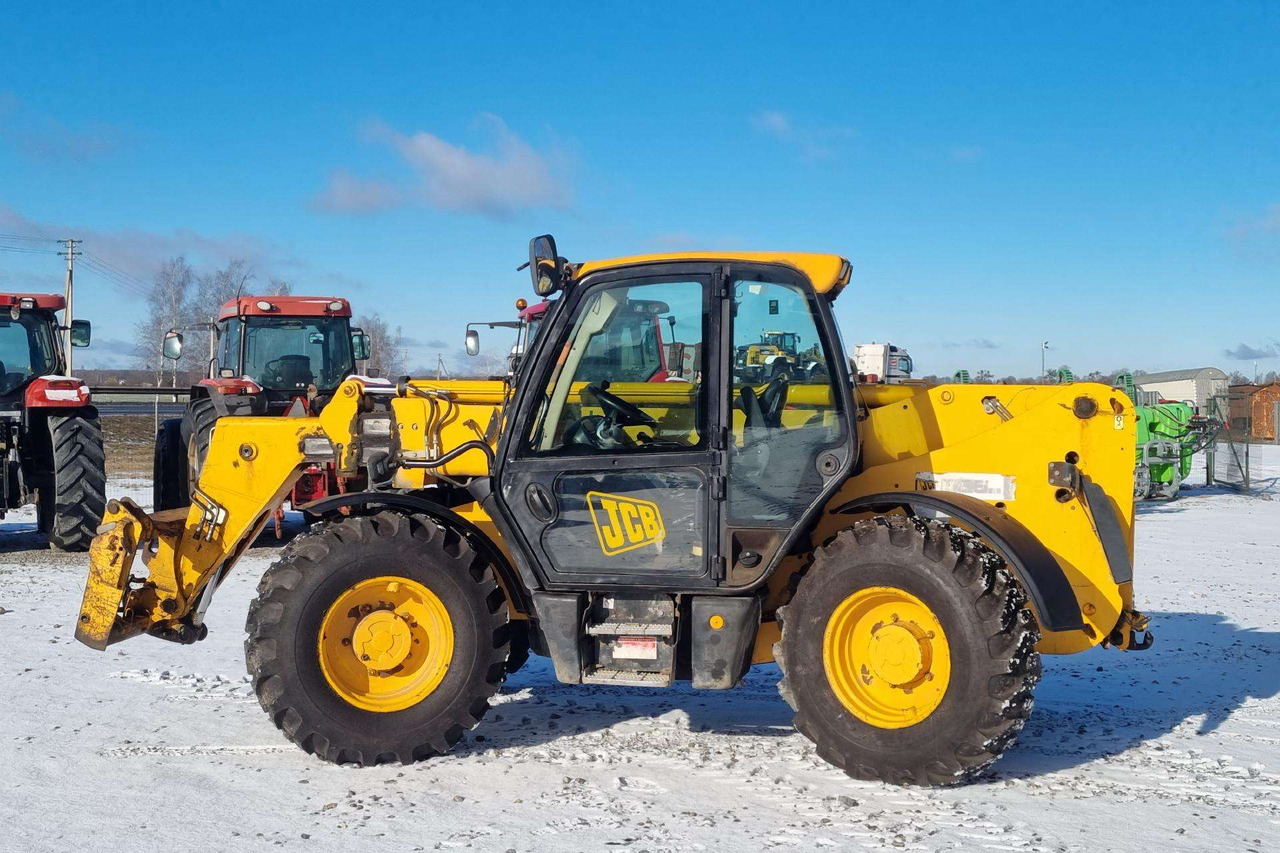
377 639
908 653
74 498
169 488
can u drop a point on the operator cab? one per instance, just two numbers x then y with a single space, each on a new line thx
272 350
630 420
30 347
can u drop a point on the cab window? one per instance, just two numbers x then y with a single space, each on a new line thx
629 375
786 412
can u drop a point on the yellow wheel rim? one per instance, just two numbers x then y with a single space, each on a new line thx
385 644
886 657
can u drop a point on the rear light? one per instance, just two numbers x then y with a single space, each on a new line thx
237 386
56 391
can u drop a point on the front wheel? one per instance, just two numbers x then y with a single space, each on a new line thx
197 431
908 653
377 639
72 501
169 489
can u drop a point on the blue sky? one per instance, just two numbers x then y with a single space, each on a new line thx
1105 178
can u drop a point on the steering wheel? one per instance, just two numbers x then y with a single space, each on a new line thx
618 410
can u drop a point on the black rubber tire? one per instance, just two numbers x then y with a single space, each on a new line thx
72 509
284 623
518 632
169 488
197 429
991 633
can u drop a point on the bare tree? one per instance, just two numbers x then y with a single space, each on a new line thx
215 289
386 347
169 306
279 287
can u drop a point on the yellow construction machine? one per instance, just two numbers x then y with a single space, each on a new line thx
905 554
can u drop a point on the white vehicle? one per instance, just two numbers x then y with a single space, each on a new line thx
881 364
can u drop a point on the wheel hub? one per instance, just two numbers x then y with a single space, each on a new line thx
886 657
382 640
386 643
896 655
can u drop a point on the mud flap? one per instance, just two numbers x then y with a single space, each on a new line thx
1107 525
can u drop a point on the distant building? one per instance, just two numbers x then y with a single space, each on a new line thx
1255 410
1195 385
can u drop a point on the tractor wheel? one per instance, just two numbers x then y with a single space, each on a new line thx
197 429
377 639
71 510
169 488
908 653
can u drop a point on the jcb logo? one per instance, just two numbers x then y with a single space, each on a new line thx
623 524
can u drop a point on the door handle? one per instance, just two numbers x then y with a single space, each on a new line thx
540 502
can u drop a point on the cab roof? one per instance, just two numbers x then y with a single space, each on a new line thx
50 301
285 306
829 273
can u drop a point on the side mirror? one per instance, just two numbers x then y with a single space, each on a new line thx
360 345
473 342
545 266
172 345
81 332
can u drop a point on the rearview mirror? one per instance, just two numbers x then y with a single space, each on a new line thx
545 266
473 342
172 345
81 332
360 345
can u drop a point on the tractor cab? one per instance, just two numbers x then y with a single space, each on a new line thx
288 346
31 356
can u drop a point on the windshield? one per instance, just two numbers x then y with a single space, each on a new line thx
628 349
290 353
26 349
788 341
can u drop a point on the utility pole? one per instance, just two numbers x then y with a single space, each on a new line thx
1043 348
66 314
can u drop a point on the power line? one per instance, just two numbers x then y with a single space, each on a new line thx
123 281
26 237
27 250
110 267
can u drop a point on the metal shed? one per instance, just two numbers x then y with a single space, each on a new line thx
1255 410
1194 385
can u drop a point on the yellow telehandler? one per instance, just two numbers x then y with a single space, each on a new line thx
904 553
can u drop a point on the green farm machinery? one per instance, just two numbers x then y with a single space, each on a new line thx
1169 434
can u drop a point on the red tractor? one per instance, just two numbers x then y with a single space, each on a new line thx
274 354
50 438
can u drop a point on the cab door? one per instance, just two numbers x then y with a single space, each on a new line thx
610 474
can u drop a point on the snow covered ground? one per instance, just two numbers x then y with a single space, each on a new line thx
1177 748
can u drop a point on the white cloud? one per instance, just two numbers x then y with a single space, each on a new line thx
773 122
812 141
509 176
138 252
42 137
966 153
348 194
